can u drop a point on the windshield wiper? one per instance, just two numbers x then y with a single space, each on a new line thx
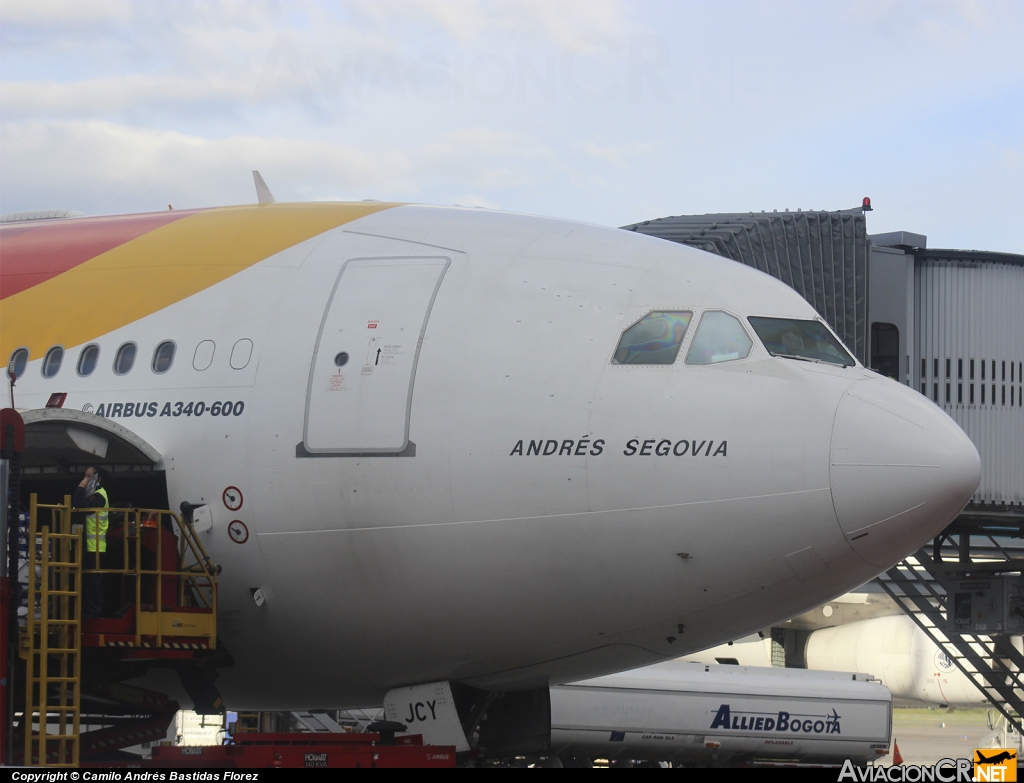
798 358
810 359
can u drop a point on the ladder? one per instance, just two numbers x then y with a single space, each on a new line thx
52 640
918 585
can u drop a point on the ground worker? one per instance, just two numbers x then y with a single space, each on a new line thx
90 493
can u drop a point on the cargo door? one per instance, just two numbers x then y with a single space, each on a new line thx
364 365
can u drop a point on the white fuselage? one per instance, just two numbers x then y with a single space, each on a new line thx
890 648
901 655
468 558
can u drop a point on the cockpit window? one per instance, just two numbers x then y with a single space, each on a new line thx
720 338
807 340
654 339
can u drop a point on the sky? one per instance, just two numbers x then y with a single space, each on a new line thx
604 111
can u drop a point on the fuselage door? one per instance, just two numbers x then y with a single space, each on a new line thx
364 367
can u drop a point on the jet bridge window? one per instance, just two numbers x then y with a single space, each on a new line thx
654 339
720 338
124 359
885 350
811 341
18 362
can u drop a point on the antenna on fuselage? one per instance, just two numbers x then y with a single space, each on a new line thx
262 191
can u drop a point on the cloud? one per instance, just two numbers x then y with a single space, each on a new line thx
47 14
115 167
118 94
467 21
195 62
601 110
618 155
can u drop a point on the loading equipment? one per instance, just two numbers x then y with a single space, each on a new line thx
378 747
159 591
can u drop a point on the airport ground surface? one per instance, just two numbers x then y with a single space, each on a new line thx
926 735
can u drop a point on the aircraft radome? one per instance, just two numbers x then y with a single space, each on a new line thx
461 445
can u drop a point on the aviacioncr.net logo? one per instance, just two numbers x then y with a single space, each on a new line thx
943 771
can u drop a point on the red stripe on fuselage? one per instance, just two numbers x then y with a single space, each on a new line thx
31 254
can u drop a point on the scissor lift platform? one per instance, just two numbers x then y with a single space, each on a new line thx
160 603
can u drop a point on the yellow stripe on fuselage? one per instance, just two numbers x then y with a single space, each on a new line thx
158 269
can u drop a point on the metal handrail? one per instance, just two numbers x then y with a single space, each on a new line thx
195 574
57 557
135 520
989 661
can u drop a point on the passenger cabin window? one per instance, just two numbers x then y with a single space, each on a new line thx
885 350
124 359
163 357
720 338
241 351
654 339
88 359
203 357
52 361
18 362
811 341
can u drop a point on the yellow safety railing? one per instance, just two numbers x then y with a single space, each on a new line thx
59 557
195 574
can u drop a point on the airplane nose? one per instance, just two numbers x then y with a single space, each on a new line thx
901 470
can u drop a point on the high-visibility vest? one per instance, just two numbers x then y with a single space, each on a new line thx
96 529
